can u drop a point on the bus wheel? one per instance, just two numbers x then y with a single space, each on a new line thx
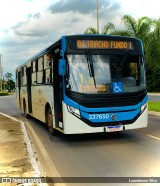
50 121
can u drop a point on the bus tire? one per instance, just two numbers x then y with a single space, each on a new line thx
49 121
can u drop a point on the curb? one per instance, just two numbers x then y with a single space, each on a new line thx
31 155
154 113
154 94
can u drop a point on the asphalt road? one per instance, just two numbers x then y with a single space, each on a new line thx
128 154
154 98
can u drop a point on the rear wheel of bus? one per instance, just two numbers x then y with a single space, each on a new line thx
49 121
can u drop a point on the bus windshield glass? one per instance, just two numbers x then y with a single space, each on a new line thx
100 73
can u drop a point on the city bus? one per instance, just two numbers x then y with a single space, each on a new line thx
86 84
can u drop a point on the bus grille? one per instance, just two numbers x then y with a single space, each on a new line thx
100 101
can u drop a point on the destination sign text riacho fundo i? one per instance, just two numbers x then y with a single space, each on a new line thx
104 44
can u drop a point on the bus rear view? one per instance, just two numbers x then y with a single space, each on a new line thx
104 84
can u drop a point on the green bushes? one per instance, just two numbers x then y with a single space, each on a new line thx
3 93
153 77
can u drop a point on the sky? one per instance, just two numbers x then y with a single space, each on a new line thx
29 26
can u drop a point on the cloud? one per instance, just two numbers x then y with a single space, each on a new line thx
29 26
111 12
80 6
63 17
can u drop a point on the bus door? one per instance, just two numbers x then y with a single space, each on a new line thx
57 94
29 83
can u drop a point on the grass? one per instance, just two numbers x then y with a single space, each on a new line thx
154 106
6 93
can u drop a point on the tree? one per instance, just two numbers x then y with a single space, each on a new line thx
8 76
91 30
153 58
10 84
153 49
140 28
108 28
121 33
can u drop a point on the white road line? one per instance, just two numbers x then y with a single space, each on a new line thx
153 137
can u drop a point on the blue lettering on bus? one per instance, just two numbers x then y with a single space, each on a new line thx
106 117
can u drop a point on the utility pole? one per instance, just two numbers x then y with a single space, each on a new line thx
97 17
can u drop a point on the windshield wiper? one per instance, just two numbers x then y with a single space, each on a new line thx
123 61
90 66
118 66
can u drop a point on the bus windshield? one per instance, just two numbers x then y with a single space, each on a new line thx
98 73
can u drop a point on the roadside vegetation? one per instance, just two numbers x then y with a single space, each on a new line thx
148 30
7 85
3 93
154 106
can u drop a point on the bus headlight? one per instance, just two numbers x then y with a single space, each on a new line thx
74 111
143 107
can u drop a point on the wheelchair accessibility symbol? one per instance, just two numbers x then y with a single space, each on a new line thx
117 87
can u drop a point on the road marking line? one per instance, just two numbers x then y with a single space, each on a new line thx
154 137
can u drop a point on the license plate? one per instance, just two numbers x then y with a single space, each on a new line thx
114 128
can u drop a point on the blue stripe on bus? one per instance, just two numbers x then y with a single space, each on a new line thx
72 103
107 117
63 42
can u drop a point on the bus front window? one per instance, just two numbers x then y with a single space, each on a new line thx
89 74
96 73
130 72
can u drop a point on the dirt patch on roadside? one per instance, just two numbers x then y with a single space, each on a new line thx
14 159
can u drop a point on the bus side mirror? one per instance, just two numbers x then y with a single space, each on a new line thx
62 67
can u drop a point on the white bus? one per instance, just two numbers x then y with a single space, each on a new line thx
86 84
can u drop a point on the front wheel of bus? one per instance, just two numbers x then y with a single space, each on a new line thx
50 122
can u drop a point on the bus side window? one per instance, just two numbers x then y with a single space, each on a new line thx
23 76
39 69
44 77
40 64
47 61
34 74
48 79
39 77
34 78
48 68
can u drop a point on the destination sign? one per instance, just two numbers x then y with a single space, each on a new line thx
92 88
104 44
